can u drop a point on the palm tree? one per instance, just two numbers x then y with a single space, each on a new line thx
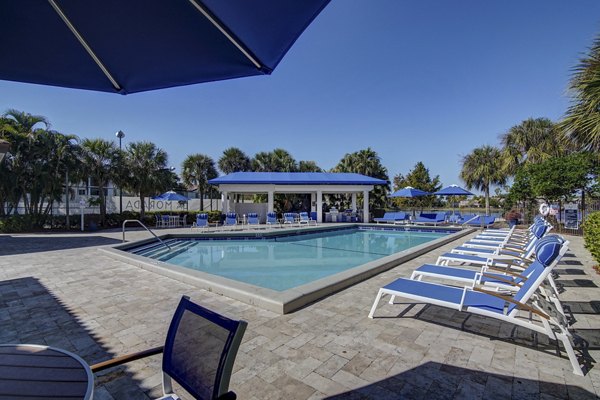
99 159
35 171
481 169
283 160
24 123
532 141
22 131
197 170
367 162
147 172
581 124
278 160
309 166
234 160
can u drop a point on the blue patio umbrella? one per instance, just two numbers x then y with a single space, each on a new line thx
410 192
128 46
453 190
170 196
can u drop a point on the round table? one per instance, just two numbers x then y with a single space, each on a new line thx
43 372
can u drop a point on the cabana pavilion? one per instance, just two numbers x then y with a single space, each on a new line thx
314 183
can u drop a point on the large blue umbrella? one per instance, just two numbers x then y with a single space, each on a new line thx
453 190
409 191
170 196
128 46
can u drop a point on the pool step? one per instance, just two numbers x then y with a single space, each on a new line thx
157 248
162 253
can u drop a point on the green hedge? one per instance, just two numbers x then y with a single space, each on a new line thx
27 223
591 234
18 223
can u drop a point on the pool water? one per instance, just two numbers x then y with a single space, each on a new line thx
285 262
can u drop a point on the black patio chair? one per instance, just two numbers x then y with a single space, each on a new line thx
198 354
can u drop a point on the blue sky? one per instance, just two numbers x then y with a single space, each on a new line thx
414 80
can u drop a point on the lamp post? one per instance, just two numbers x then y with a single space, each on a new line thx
4 148
120 134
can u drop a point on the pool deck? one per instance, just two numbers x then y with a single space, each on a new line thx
61 290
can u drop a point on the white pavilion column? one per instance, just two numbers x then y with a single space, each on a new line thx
270 201
354 202
231 203
313 201
319 206
224 202
365 206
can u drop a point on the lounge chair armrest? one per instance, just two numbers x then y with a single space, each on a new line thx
501 257
507 272
501 279
113 362
514 257
521 306
512 246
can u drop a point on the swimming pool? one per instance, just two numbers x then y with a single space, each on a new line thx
283 269
287 262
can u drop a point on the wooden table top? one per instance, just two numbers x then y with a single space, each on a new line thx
41 372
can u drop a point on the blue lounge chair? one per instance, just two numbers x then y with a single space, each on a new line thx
473 246
431 218
502 274
201 221
454 218
230 219
392 217
272 219
306 220
482 220
253 220
289 218
494 305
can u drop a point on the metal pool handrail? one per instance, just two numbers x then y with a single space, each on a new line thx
146 228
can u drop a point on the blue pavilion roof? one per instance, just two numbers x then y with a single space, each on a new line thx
297 178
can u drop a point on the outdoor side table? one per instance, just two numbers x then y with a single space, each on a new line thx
42 372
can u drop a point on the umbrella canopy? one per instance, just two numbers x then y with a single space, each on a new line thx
128 46
453 190
170 196
409 191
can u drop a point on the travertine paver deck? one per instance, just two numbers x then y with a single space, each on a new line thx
62 291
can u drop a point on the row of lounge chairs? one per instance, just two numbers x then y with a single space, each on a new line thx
253 220
501 274
438 218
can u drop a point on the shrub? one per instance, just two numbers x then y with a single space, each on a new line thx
591 234
18 223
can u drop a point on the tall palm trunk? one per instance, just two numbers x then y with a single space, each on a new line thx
142 207
102 206
487 200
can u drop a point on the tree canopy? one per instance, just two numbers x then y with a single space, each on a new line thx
581 123
367 162
196 171
556 179
234 160
481 169
418 178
